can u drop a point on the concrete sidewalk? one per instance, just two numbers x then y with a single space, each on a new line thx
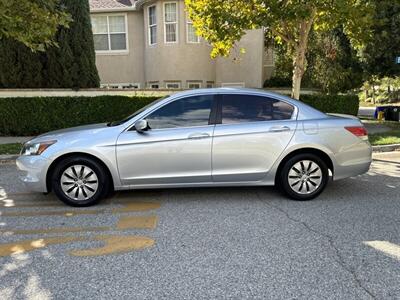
14 139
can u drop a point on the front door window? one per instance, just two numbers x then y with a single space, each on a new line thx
188 112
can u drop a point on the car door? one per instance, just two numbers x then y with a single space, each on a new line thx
252 133
176 149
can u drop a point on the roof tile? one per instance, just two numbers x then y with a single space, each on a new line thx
110 4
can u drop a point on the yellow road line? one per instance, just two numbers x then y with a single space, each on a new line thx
30 245
140 222
131 207
125 223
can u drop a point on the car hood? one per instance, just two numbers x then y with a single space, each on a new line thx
59 134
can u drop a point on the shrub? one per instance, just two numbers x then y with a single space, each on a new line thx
32 116
340 104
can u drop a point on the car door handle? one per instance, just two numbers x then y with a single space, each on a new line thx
279 129
196 136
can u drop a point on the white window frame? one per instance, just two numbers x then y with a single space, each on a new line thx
120 85
190 23
152 25
152 84
176 22
109 51
198 83
212 83
233 84
174 88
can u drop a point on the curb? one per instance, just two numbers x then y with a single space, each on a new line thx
387 148
9 159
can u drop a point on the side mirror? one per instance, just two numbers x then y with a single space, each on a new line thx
141 126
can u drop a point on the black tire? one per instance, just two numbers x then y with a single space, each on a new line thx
289 166
103 186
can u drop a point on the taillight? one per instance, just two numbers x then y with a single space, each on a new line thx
359 131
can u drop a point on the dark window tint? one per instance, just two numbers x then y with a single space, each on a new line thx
187 112
245 108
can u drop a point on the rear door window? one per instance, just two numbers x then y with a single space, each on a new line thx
249 108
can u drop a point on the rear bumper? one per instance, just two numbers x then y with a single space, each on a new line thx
353 161
34 170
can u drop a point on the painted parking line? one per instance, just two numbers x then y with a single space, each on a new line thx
114 244
124 223
30 245
131 207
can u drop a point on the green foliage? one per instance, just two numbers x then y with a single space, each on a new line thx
339 104
31 22
223 23
70 64
7 149
381 90
332 64
380 52
32 116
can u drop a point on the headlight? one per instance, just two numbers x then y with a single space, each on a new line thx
36 148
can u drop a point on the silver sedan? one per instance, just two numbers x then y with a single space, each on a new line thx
202 138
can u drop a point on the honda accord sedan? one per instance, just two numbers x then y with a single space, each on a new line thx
200 138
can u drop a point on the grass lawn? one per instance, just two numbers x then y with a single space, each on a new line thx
385 138
10 149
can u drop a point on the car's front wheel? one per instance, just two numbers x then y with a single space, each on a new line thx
80 181
304 177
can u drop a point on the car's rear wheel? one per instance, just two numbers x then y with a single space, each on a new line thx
304 176
80 181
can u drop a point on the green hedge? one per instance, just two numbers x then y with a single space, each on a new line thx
32 116
340 104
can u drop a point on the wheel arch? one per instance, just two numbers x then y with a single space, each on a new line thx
74 154
309 150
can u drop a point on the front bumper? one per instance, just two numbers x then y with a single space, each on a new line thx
34 170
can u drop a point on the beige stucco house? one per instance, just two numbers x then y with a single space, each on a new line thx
153 44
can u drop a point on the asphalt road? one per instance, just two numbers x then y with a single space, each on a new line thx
241 243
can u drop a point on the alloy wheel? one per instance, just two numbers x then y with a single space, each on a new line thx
79 182
305 177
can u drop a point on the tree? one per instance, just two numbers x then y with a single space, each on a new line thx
31 22
69 64
73 63
381 51
224 22
333 66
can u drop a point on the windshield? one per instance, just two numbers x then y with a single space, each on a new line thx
138 112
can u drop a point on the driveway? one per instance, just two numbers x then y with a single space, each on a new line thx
240 243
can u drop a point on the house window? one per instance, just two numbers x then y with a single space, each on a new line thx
110 33
152 25
194 85
192 36
210 84
154 85
173 85
234 84
170 22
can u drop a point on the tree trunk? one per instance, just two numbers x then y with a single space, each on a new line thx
299 62
299 59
